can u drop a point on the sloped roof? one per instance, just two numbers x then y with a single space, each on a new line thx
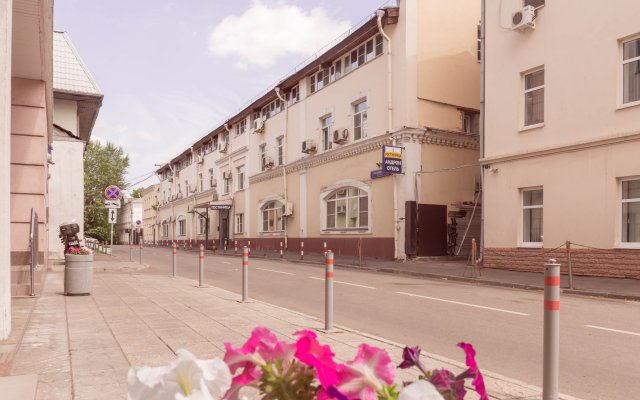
69 72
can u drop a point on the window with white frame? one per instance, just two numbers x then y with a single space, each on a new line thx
630 211
326 123
241 127
186 188
255 119
240 223
360 119
263 156
240 175
532 216
202 225
347 208
165 229
292 96
182 226
280 142
534 98
211 178
201 178
272 220
631 71
227 185
225 137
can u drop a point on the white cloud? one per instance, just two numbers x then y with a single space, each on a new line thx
265 32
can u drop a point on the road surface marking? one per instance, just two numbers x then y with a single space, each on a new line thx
226 262
612 330
344 283
462 304
273 270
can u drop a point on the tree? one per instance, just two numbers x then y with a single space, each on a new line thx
137 193
103 166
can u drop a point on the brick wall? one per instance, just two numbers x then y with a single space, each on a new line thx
618 263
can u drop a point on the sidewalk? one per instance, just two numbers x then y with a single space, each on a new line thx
80 347
457 270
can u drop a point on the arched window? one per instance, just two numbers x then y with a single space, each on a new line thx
347 208
181 225
272 220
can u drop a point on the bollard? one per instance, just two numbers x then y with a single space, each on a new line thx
569 261
328 295
324 246
249 246
225 246
235 247
130 251
140 243
201 267
551 339
174 251
302 250
245 274
280 249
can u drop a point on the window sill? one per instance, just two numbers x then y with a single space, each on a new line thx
530 127
630 245
622 106
275 233
352 231
530 245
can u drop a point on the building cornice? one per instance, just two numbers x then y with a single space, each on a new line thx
622 138
431 136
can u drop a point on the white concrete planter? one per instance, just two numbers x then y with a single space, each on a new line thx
78 274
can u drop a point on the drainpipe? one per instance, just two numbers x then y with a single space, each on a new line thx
194 219
232 190
482 108
396 227
284 159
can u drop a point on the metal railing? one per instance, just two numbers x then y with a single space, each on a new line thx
33 246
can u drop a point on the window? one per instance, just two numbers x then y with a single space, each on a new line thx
263 156
280 141
240 174
170 199
225 137
201 182
182 226
255 120
532 217
239 223
211 178
272 217
360 120
479 40
186 188
241 127
631 71
631 211
327 137
179 189
202 225
470 121
227 185
292 96
165 229
348 208
534 98
379 45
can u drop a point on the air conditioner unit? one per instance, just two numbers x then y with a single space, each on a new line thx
193 188
341 209
214 182
226 175
341 136
308 146
223 147
268 162
287 209
524 19
200 159
170 179
259 126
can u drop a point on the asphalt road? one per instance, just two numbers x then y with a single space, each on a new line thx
600 338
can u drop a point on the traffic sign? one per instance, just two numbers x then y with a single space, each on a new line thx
112 215
112 192
112 203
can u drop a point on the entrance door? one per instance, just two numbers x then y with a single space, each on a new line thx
224 227
432 230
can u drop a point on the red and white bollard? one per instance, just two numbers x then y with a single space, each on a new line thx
302 250
201 267
324 246
328 302
245 274
235 247
174 251
226 241
249 246
280 249
551 340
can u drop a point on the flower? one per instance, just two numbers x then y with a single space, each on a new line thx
366 374
448 384
478 380
185 378
420 390
411 357
79 251
311 353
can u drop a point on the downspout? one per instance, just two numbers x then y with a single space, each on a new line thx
194 218
482 144
284 160
233 203
396 227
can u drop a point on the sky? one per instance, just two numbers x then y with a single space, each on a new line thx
170 71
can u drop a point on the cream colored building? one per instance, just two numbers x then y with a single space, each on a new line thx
150 205
297 164
562 133
129 226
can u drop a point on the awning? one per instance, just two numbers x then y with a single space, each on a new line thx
220 205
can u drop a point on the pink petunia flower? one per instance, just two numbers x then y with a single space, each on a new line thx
367 373
311 353
478 380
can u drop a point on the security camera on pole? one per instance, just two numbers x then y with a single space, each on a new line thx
112 196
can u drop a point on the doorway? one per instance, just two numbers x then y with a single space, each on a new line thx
432 230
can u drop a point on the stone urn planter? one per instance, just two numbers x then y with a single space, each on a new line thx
78 274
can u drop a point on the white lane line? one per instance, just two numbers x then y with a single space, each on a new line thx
273 270
226 262
613 330
462 304
344 283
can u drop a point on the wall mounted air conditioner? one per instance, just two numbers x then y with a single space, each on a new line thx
268 162
287 209
224 147
524 19
200 159
309 146
259 126
341 136
226 175
214 182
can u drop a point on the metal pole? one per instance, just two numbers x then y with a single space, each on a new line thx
551 341
328 310
174 251
140 243
245 274
570 266
201 267
111 245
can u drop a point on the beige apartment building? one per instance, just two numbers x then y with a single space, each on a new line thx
562 133
301 163
150 205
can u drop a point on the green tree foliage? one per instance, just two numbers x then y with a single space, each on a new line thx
103 166
137 193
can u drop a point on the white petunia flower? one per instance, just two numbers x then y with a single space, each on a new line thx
185 378
420 390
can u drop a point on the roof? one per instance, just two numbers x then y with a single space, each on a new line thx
69 72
